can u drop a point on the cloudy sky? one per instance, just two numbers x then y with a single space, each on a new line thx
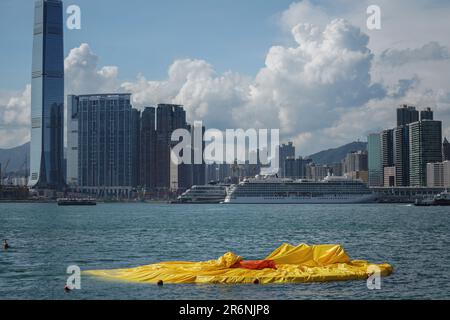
310 68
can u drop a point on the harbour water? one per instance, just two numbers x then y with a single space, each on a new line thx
45 239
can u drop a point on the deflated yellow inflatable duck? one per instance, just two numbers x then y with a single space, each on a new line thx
287 264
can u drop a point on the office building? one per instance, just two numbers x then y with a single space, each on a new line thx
47 97
425 140
375 164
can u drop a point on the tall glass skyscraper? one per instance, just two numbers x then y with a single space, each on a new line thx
375 160
425 141
47 100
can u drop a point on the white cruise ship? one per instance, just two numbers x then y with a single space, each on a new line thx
272 190
204 194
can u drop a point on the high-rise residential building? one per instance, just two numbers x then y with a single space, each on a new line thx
47 97
337 169
356 161
184 176
148 149
296 168
135 147
107 138
181 177
401 148
401 156
225 171
445 150
285 151
438 174
425 141
198 169
387 148
169 117
406 115
355 165
375 163
212 172
292 168
426 114
72 141
317 172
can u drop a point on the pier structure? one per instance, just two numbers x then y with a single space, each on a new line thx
405 194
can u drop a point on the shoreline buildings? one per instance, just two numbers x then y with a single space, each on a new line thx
401 157
425 147
47 98
114 149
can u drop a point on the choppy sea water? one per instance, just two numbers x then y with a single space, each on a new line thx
46 239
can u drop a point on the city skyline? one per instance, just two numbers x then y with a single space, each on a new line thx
313 119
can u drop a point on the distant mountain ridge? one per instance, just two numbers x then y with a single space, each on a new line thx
17 157
336 155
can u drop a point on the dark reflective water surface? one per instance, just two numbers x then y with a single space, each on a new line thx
46 239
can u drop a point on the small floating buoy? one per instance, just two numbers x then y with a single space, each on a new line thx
256 281
160 283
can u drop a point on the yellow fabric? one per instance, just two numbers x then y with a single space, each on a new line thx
294 264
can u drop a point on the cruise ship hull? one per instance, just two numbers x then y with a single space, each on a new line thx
367 198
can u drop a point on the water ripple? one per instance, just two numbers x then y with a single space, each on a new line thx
46 239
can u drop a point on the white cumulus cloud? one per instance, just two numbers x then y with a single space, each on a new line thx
85 76
206 95
15 118
333 82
